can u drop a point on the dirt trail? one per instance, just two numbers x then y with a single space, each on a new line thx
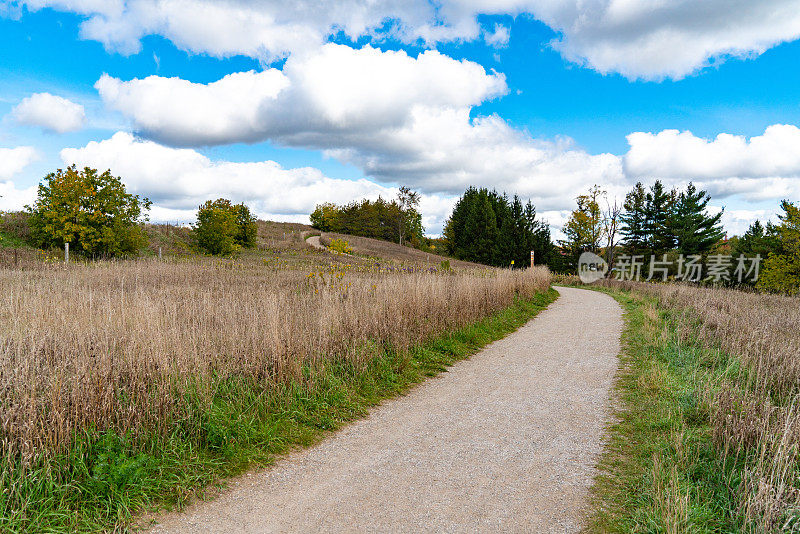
505 441
314 241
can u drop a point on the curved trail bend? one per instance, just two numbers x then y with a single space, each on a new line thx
504 441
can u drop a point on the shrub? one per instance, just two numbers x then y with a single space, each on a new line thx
341 246
246 228
16 224
90 211
222 228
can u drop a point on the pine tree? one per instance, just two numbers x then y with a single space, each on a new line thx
481 230
693 230
633 228
658 212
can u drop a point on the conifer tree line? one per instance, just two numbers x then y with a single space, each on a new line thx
487 227
655 221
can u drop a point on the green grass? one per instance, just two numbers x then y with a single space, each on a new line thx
106 481
660 471
10 241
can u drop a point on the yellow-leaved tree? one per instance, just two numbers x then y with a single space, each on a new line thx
91 211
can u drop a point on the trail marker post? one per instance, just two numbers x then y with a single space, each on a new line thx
531 258
66 252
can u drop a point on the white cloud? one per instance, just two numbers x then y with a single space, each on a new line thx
177 180
13 199
650 40
13 160
335 91
759 168
400 119
498 37
666 38
736 222
50 112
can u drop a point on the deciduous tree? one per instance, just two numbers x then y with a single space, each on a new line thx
89 210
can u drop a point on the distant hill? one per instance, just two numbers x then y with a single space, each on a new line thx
392 251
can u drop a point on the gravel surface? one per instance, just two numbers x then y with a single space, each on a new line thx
314 241
505 441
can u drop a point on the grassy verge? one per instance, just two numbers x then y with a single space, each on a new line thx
660 471
106 480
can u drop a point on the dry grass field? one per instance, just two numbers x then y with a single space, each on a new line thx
143 351
377 248
106 344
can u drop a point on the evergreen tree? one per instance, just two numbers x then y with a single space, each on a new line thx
658 211
758 240
455 234
633 228
692 229
486 227
481 227
781 271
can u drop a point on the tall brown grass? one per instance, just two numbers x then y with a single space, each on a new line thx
755 409
115 345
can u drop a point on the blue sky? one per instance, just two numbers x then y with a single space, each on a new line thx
532 99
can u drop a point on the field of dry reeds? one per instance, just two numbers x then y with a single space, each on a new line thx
112 345
752 399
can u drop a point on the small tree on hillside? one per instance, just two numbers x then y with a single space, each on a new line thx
325 217
408 201
90 211
222 227
246 227
585 227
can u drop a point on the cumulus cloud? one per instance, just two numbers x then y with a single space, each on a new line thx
13 160
400 119
498 37
267 29
760 168
13 198
177 180
50 112
335 91
736 222
649 40
665 38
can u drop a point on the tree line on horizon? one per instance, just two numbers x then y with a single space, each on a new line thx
95 214
655 223
396 220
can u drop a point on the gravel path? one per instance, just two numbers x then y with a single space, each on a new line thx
314 241
504 441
